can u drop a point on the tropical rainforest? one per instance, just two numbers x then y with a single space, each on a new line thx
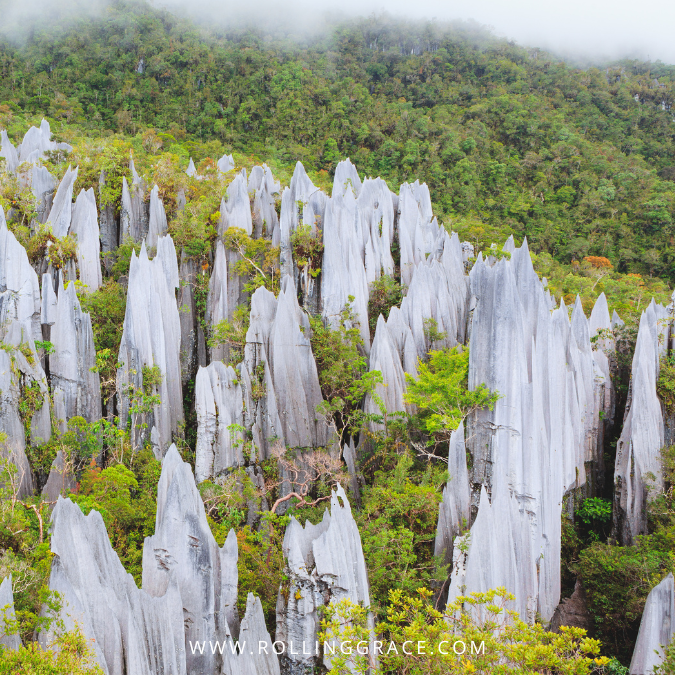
580 160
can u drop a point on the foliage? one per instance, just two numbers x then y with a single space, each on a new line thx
122 258
307 245
476 634
385 293
343 371
232 333
58 252
398 522
441 394
665 385
126 498
70 654
259 262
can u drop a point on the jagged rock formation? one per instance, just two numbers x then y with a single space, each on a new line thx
8 151
534 445
151 337
61 212
19 285
110 235
42 186
76 389
85 227
638 458
573 611
263 187
60 481
219 404
377 213
454 511
183 552
157 226
218 301
192 339
37 141
656 628
324 564
134 214
225 164
131 632
191 170
12 641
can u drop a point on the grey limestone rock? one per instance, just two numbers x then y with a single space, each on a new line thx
537 441
183 551
225 164
85 227
151 336
110 236
192 170
62 208
218 301
132 632
134 213
455 509
377 214
19 285
325 564
49 301
73 358
236 211
573 611
157 226
8 151
42 186
219 404
656 628
192 340
638 458
60 481
37 141
12 641
346 178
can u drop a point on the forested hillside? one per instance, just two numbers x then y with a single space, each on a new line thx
508 139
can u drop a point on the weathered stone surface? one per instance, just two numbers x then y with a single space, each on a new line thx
638 451
110 236
192 170
192 340
151 336
324 564
157 226
131 632
49 301
455 509
12 641
42 186
62 208
236 211
656 628
225 163
343 272
183 551
377 213
134 214
219 404
536 443
73 358
218 301
37 141
85 227
8 151
60 481
263 187
346 178
19 285
573 611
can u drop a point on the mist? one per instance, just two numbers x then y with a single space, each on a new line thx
595 30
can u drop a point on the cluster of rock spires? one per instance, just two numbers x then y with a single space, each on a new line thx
499 523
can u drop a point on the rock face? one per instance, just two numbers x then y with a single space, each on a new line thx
75 387
37 141
157 226
638 458
225 163
42 186
85 227
19 285
656 628
110 235
131 632
534 445
218 300
151 337
219 404
62 208
60 480
454 511
324 564
134 212
192 339
572 611
183 552
7 613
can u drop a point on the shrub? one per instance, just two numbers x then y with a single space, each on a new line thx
385 293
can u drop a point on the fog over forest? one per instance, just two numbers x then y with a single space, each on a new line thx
595 29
